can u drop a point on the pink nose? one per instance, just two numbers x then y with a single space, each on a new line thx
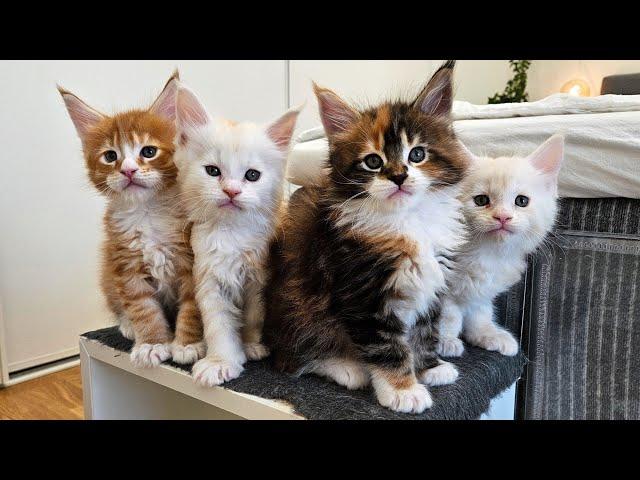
231 192
502 218
128 172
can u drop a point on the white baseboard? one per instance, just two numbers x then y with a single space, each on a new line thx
42 359
41 371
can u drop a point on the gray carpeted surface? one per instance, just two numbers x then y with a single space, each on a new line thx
483 375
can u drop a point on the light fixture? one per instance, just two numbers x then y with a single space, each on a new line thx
576 88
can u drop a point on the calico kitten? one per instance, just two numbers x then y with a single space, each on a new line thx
147 259
509 205
231 177
354 272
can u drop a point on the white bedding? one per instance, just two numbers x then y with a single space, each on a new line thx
602 154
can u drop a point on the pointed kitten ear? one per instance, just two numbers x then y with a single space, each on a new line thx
436 98
82 115
165 104
335 113
548 157
189 110
281 130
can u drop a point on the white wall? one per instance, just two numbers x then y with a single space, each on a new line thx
50 215
547 76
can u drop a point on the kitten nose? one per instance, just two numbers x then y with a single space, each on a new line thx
128 172
398 178
231 192
502 218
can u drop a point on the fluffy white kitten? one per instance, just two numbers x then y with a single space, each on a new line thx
231 179
509 205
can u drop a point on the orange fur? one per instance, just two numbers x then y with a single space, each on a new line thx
147 257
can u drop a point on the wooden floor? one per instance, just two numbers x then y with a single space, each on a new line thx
57 396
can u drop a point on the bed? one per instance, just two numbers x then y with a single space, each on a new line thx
577 310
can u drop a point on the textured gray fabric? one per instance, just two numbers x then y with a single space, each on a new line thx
483 375
603 215
582 315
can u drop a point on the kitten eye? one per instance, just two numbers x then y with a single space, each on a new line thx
481 200
373 161
148 152
212 170
252 175
522 201
417 154
110 156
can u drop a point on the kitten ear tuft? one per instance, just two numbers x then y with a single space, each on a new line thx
335 113
165 104
548 157
281 130
84 117
436 98
189 110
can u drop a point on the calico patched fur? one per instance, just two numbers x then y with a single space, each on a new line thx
355 272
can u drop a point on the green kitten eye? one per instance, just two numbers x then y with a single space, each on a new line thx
212 170
373 161
417 154
110 156
481 200
148 152
252 175
522 201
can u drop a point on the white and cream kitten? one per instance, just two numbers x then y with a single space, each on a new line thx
231 178
509 205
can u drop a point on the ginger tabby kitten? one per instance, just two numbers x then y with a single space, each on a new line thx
146 273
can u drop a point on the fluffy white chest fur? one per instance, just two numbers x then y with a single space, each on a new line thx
232 255
434 226
485 273
153 229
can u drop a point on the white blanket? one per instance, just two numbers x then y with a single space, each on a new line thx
558 104
602 154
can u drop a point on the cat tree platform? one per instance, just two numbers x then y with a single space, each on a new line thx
115 389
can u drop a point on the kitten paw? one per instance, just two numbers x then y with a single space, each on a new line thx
186 354
150 355
210 372
443 374
255 351
500 341
415 399
346 373
450 347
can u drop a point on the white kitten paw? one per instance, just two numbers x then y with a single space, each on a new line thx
346 373
186 354
443 374
415 399
126 329
450 347
500 341
150 355
255 351
212 371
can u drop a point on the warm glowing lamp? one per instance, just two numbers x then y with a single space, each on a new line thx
576 88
